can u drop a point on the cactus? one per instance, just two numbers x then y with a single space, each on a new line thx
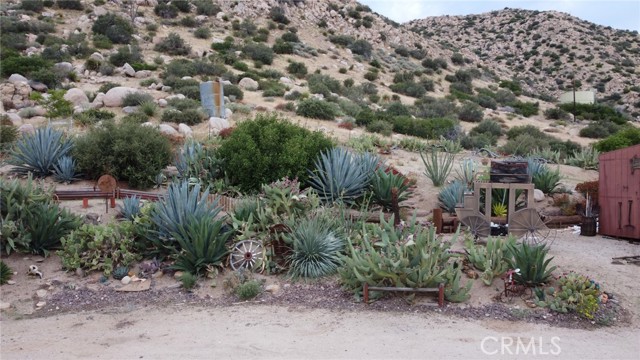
575 293
490 259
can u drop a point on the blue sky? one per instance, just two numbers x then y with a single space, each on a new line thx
619 14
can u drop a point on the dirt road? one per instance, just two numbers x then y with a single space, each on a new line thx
255 331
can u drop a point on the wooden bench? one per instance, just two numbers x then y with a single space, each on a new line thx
85 195
439 290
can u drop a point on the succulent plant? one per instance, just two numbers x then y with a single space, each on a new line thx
120 272
5 273
130 208
438 166
490 259
340 176
64 170
451 195
316 248
533 263
38 153
382 184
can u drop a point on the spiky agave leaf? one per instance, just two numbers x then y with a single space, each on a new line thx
451 195
5 273
202 242
316 249
65 170
130 208
339 177
38 153
438 166
382 184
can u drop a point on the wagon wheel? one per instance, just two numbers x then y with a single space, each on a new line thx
478 225
528 225
247 254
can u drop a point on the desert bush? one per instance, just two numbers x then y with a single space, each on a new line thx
470 112
136 98
99 247
39 152
114 27
316 109
594 112
5 273
32 5
183 104
599 129
259 52
24 65
381 127
47 225
344 40
128 151
622 139
235 91
69 4
298 69
316 248
248 290
491 259
574 293
409 88
429 107
361 47
188 116
277 14
206 7
268 148
173 44
323 84
166 11
290 37
488 126
126 54
556 114
525 109
202 33
8 133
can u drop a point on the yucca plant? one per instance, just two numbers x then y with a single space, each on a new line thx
382 185
130 208
451 195
202 242
533 263
38 153
467 171
316 248
47 225
64 170
340 176
5 273
438 166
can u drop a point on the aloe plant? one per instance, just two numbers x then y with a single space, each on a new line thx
202 242
492 258
586 158
437 166
451 195
340 176
64 170
382 185
182 201
38 153
533 263
316 248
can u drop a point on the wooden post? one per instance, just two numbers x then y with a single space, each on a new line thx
437 220
85 203
441 295
113 202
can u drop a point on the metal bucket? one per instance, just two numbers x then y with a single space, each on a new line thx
588 226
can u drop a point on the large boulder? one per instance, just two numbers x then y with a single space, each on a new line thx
538 195
114 97
77 97
167 129
128 70
185 130
218 124
15 95
14 78
248 84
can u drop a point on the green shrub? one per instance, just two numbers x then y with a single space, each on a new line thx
423 128
38 153
179 68
99 247
594 112
277 14
188 21
272 88
409 88
556 114
47 225
248 290
298 69
128 151
136 118
235 91
470 112
136 99
184 104
24 65
102 42
382 185
114 27
316 109
323 84
266 149
188 116
575 293
8 133
259 52
166 11
361 47
316 248
599 129
206 7
126 54
525 109
70 4
478 141
624 138
512 85
173 44
490 127
188 280
32 5
381 127
202 33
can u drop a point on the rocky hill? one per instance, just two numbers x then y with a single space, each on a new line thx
549 51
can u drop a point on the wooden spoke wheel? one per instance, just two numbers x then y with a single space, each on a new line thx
477 225
247 254
529 226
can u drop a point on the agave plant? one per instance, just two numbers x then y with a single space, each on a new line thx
467 172
38 153
5 273
340 176
535 167
316 248
203 243
437 167
451 195
130 208
47 225
532 262
64 170
383 184
548 180
182 201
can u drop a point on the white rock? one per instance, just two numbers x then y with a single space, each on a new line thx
41 304
285 80
162 103
98 101
16 120
168 130
538 195
201 18
4 305
248 84
129 109
220 15
41 294
176 96
97 56
14 78
273 288
228 113
26 129
217 124
64 66
185 130
11 282
76 96
128 70
125 280
114 96
143 74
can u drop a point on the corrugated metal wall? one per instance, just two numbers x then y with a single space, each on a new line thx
619 193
